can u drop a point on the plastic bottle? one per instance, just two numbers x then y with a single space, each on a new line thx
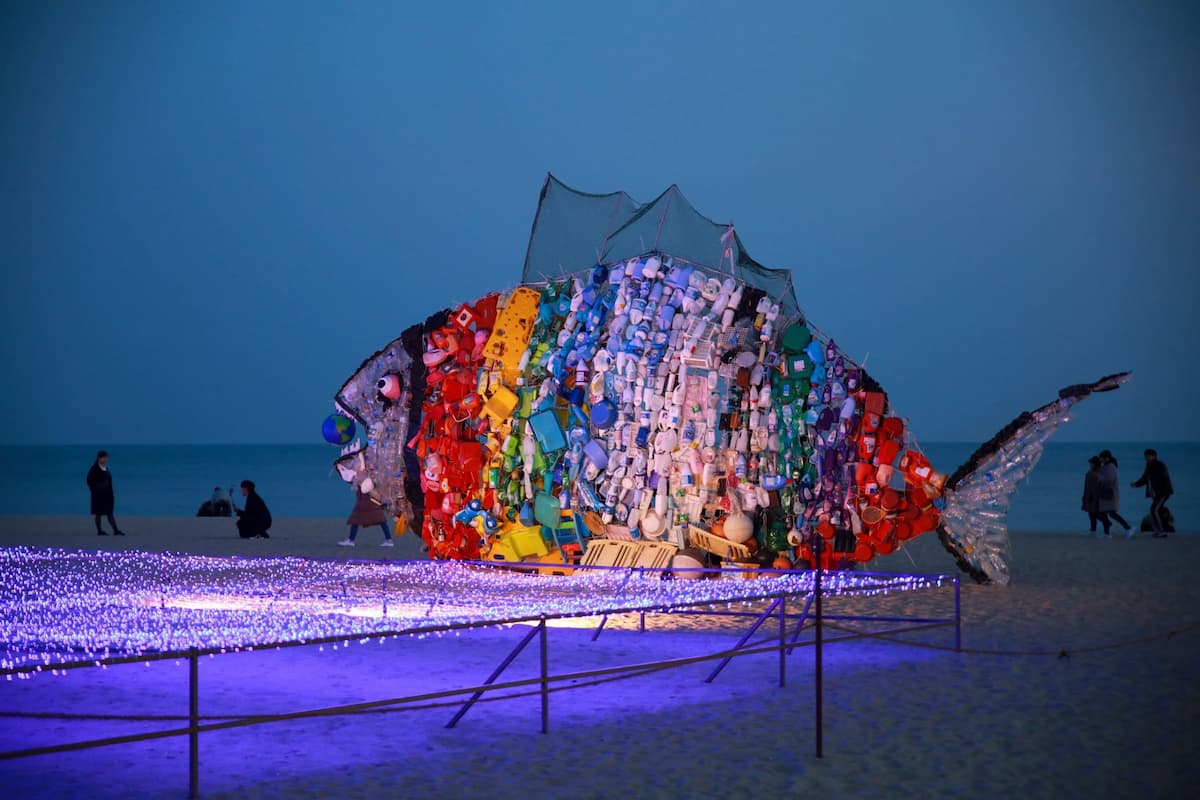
768 328
693 303
673 416
722 301
528 448
656 293
735 300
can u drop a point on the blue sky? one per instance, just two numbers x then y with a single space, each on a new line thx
212 213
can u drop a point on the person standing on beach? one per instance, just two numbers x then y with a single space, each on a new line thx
1110 491
1157 480
255 519
100 484
1091 496
366 512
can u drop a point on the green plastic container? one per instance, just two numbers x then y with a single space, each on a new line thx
796 338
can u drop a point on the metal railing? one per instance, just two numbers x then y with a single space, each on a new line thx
784 642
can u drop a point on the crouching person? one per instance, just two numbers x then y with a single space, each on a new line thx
255 519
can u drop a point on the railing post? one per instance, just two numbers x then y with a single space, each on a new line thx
782 642
194 723
817 649
957 617
545 680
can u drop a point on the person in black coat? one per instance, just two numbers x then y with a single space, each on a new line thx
255 519
1091 497
1157 481
100 484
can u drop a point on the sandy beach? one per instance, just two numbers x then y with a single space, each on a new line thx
1102 700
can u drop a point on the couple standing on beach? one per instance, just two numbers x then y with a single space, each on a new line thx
1102 493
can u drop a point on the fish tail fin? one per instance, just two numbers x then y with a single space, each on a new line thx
974 523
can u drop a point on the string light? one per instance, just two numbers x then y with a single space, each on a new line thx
59 606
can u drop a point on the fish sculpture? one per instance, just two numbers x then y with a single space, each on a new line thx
647 383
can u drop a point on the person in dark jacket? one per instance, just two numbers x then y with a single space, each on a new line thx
217 506
366 512
100 484
255 519
1157 481
1091 497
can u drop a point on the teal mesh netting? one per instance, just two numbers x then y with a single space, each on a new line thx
574 231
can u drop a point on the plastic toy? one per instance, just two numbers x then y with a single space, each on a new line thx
338 429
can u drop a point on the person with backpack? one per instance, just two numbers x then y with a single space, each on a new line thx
367 512
1157 480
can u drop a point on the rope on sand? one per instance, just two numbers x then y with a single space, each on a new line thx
1062 653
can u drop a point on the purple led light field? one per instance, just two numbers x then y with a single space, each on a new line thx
60 606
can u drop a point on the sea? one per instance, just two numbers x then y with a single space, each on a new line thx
299 480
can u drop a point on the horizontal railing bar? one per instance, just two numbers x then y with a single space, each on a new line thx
246 721
886 619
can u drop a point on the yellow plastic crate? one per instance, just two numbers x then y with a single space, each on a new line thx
516 543
500 404
514 326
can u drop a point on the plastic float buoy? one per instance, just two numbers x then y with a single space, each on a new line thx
690 559
738 527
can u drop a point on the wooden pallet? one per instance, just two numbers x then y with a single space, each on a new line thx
718 546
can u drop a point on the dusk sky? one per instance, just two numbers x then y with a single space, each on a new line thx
212 213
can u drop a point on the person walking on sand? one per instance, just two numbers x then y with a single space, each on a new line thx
1110 491
366 512
1111 479
255 519
100 484
1091 496
1157 480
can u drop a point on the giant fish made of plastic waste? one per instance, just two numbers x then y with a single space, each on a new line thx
678 413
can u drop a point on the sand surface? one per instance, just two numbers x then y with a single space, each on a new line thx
1065 720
